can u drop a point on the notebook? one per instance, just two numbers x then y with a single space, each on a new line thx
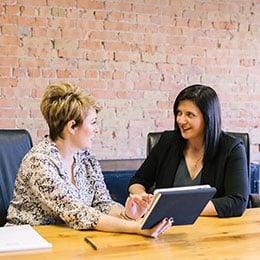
184 204
21 237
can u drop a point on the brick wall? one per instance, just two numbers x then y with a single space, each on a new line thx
135 56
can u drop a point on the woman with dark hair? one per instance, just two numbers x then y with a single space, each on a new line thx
198 152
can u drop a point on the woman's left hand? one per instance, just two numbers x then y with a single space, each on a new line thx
137 205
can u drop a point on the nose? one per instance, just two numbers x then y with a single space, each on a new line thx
182 119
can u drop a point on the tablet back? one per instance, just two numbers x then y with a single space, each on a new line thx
184 204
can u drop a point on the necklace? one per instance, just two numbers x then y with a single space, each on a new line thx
197 161
193 164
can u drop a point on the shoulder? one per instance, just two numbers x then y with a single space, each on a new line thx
44 149
168 135
229 142
168 140
44 156
229 139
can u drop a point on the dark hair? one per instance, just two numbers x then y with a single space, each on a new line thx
206 99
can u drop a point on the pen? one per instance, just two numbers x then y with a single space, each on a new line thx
91 243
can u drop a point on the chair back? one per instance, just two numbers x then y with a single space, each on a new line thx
152 139
255 200
14 144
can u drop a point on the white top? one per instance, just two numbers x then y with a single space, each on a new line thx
44 193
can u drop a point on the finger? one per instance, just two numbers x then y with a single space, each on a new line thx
135 196
141 203
165 228
157 228
142 197
166 224
147 197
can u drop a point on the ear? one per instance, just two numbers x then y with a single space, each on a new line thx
71 126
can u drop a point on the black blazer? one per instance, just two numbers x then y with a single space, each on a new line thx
228 172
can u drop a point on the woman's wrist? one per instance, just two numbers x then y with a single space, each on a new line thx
125 216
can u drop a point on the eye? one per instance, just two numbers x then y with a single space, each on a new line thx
191 115
94 122
179 113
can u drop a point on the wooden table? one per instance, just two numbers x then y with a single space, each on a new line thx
209 238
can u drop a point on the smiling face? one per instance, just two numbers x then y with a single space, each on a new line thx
190 120
87 131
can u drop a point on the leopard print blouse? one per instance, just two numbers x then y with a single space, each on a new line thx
44 194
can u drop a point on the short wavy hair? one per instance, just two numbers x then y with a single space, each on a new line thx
64 102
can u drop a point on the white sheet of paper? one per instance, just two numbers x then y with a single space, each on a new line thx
21 237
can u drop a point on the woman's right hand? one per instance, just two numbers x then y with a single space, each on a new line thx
136 205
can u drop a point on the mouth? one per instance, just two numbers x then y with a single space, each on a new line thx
185 129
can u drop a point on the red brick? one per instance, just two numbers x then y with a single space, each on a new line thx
9 40
9 30
8 82
91 74
247 62
90 4
5 72
135 57
7 123
34 73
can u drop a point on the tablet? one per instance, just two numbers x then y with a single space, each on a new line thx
183 204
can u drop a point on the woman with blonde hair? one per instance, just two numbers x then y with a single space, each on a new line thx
60 180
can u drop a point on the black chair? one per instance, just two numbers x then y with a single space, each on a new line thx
117 184
254 199
14 144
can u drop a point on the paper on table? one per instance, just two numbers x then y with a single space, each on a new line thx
21 237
